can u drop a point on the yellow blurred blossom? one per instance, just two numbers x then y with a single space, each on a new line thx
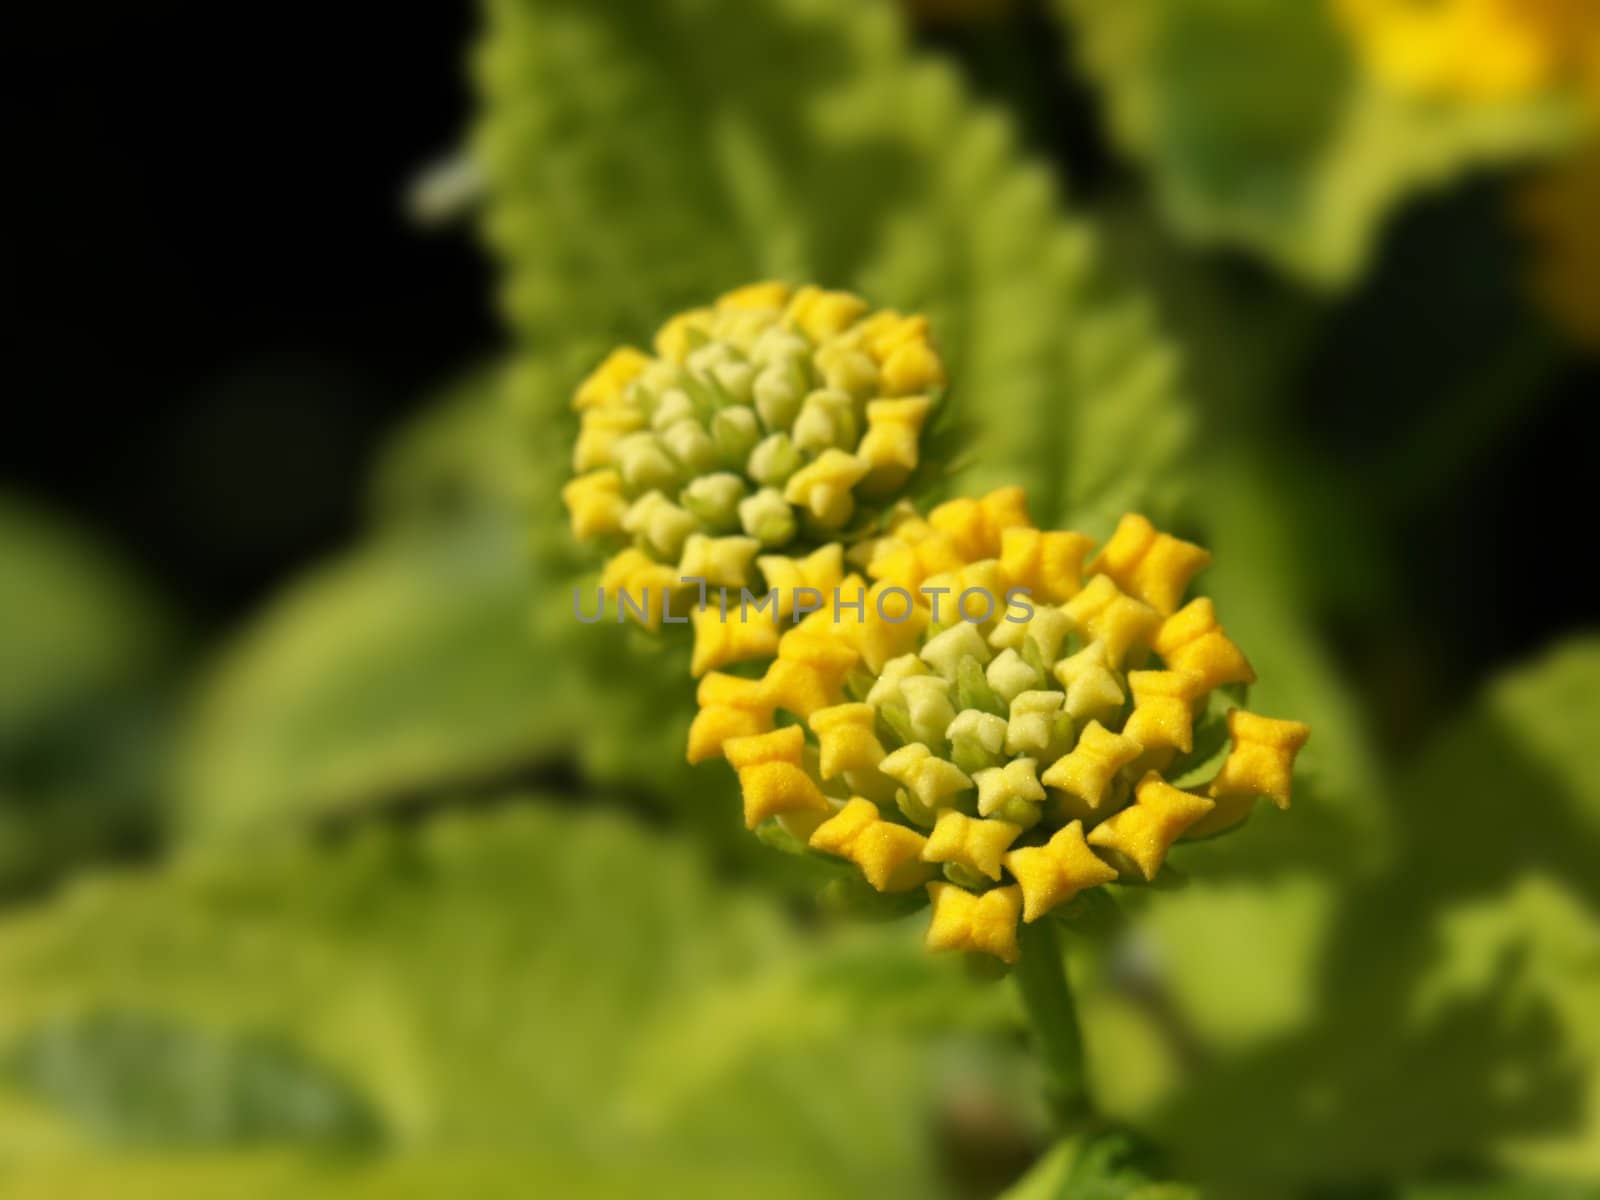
768 421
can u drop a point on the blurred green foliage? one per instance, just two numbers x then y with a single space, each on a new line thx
1262 131
85 671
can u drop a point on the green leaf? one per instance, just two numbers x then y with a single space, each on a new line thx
397 670
85 653
1300 163
619 194
525 994
1451 1017
455 458
138 1080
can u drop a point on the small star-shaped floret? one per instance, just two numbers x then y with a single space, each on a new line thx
822 487
605 386
1261 760
986 923
890 625
1153 566
889 447
944 651
931 779
886 688
595 503
1191 640
888 854
1091 688
1087 771
972 842
1032 726
598 435
1102 613
772 778
1145 830
1010 676
848 737
1048 563
730 707
721 562
927 699
1163 710
998 786
809 672
821 571
1052 874
639 586
720 639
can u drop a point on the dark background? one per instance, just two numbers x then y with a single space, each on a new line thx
218 307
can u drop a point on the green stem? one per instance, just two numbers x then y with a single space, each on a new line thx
1047 996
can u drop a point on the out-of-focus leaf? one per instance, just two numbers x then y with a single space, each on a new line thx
618 196
1261 130
501 989
398 670
1458 989
458 456
140 1081
84 648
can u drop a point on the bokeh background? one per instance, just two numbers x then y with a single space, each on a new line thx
335 859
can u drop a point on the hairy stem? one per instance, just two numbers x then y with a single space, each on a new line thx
1042 979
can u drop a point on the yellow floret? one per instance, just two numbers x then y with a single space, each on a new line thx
809 672
1149 565
755 296
890 445
1048 563
1052 874
1091 688
821 571
1101 612
730 707
986 923
596 504
890 626
635 582
972 842
998 786
822 315
1261 760
1088 770
720 562
738 635
605 386
599 433
848 737
1145 830
911 369
976 527
822 487
772 778
683 333
889 855
1191 640
932 780
1163 710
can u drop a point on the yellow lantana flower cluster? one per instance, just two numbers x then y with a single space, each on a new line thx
762 428
1000 715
